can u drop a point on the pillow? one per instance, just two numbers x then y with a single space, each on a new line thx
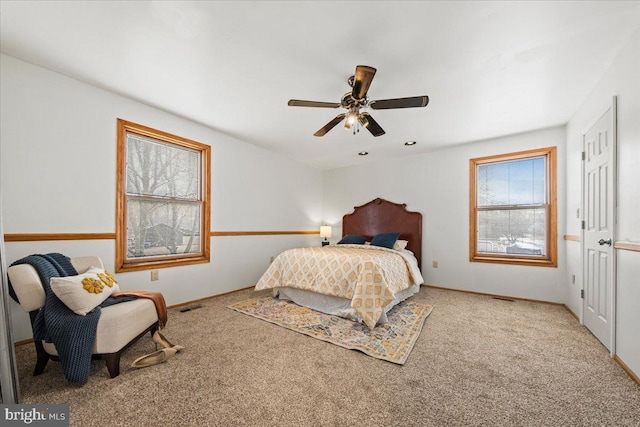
400 245
385 240
84 292
352 239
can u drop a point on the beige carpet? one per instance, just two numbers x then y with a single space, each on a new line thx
478 362
392 341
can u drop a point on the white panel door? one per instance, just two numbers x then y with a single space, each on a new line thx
599 207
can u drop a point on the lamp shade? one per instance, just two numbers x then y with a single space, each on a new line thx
325 231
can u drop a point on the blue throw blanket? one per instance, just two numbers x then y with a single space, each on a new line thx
72 334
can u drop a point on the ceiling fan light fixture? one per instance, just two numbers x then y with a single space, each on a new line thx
351 121
352 117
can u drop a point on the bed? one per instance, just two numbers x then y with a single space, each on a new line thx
361 282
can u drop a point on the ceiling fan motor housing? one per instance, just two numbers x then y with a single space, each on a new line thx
349 102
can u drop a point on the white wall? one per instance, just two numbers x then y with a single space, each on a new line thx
437 185
622 80
58 170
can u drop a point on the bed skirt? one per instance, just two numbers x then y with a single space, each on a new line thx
336 305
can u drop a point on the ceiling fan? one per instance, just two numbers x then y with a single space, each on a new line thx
356 100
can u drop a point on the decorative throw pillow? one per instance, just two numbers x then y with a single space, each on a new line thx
86 291
400 245
385 240
352 239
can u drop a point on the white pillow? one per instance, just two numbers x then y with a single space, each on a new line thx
86 291
400 245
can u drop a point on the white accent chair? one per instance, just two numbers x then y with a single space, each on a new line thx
120 325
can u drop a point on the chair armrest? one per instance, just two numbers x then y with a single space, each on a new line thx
27 285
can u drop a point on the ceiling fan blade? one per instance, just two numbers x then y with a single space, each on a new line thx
372 126
326 128
362 80
412 102
300 103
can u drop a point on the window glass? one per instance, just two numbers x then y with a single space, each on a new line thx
513 208
163 199
158 169
521 231
518 182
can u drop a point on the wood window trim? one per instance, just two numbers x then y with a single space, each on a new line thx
124 265
551 260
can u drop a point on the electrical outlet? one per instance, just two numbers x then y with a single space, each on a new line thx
155 275
435 264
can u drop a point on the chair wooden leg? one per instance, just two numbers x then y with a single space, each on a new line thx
113 363
43 358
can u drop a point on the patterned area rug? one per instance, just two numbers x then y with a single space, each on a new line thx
392 341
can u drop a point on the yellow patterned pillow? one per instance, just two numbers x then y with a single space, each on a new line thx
86 291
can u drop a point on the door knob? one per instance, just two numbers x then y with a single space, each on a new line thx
603 242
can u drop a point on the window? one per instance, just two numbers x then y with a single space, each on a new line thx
513 208
162 210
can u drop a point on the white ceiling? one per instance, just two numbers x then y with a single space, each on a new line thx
489 68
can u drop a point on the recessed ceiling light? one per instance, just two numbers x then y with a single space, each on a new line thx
363 153
410 143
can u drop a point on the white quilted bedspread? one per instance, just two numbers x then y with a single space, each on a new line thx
369 276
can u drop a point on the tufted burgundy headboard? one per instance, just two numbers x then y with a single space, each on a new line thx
382 216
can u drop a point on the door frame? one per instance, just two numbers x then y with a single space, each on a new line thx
9 383
614 223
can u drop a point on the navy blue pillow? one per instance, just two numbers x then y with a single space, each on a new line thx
352 239
385 240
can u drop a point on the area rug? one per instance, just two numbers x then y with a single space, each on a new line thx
392 341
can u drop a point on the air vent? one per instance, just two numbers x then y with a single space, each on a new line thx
190 308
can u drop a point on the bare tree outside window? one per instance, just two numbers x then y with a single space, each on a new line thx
164 198
513 207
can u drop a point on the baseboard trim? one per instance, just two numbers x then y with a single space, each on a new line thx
171 307
496 295
566 307
571 312
627 369
23 342
195 301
